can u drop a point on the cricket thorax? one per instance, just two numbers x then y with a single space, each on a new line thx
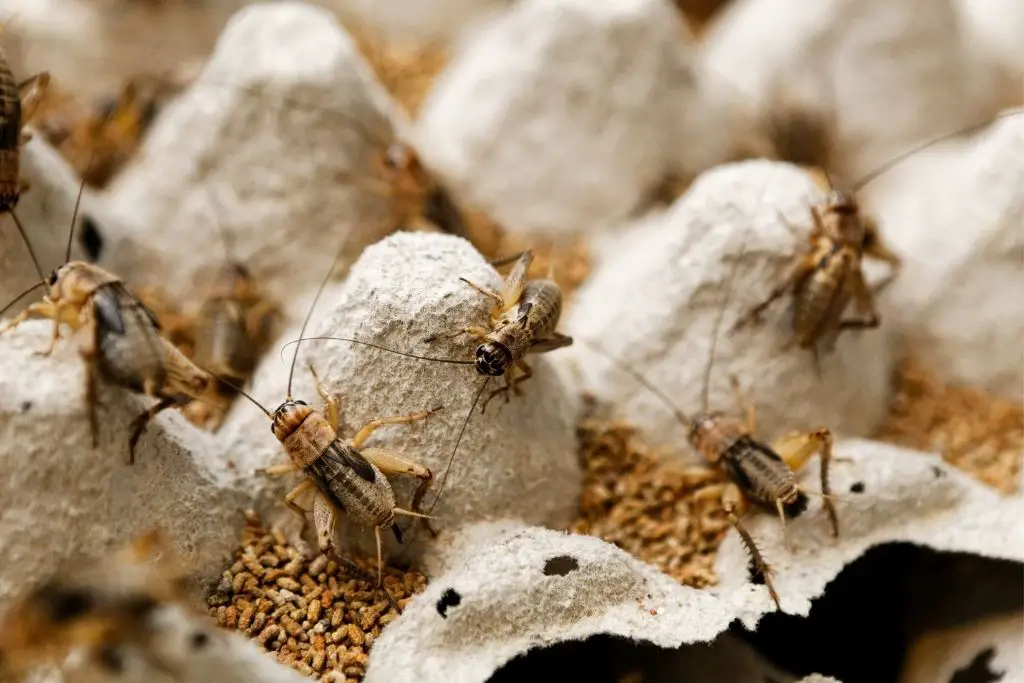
75 282
842 219
291 429
713 434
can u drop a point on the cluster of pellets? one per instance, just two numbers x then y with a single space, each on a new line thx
980 434
319 620
651 507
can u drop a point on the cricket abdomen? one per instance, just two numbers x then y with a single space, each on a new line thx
10 137
128 347
819 302
222 344
763 476
363 492
535 317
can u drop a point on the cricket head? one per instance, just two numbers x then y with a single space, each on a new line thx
847 224
288 417
493 359
704 424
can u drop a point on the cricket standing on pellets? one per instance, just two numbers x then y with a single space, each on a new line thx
340 476
122 341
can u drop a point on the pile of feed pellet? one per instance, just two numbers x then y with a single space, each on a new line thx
982 435
315 615
659 511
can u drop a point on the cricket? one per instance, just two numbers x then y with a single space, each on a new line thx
341 476
825 278
117 336
524 318
236 324
98 608
17 103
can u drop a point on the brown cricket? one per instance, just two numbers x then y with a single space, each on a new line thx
523 321
236 324
17 102
825 278
760 474
340 475
100 607
117 337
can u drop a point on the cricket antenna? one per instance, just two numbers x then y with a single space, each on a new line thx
78 203
243 393
28 245
914 150
669 403
458 440
305 323
730 279
450 361
21 296
451 459
218 227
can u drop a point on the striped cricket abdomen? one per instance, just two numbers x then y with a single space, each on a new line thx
763 476
10 137
354 484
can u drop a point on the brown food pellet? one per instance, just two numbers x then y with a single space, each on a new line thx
290 613
980 434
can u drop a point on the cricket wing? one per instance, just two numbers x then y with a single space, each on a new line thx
512 292
345 456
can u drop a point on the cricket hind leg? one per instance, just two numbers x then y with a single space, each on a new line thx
325 519
32 91
332 407
799 269
795 450
373 425
140 423
391 463
734 504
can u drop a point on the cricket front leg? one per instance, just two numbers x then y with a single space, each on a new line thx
876 248
373 425
735 504
40 309
745 405
278 470
292 499
800 268
332 410
391 463
796 449
474 331
496 298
